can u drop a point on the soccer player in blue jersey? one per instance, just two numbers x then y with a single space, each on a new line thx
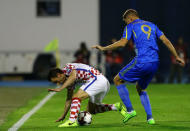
143 67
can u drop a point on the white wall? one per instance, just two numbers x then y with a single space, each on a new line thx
20 29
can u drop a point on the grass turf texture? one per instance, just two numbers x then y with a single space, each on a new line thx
18 101
170 107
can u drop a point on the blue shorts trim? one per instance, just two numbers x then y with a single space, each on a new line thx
126 69
139 72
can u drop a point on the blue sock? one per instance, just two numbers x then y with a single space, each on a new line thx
124 95
146 103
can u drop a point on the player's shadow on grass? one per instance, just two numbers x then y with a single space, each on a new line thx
174 126
158 125
103 125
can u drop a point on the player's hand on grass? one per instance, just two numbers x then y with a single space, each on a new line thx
180 61
55 90
60 119
98 47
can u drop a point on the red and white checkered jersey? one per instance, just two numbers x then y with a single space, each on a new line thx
84 72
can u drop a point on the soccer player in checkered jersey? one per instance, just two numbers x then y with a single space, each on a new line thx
94 86
143 67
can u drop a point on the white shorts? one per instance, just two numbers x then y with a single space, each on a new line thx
96 88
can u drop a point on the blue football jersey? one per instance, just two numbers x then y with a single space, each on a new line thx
144 35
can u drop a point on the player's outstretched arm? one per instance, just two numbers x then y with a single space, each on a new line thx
67 104
172 49
121 43
71 79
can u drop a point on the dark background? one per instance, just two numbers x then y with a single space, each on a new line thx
171 16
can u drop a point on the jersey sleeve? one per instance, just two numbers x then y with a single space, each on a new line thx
67 69
127 33
158 32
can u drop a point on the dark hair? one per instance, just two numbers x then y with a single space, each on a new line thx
130 12
83 45
53 73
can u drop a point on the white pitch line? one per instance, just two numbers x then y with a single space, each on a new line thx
19 123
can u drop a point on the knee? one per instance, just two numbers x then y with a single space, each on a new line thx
81 95
140 91
77 96
116 81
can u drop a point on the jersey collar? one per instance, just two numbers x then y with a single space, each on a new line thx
136 20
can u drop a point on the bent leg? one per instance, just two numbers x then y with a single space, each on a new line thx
124 95
76 102
123 92
95 104
144 101
94 108
142 84
75 108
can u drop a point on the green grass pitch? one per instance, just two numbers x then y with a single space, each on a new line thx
170 107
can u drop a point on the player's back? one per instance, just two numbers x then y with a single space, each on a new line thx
80 66
144 35
84 72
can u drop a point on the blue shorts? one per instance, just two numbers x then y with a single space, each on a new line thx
139 72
